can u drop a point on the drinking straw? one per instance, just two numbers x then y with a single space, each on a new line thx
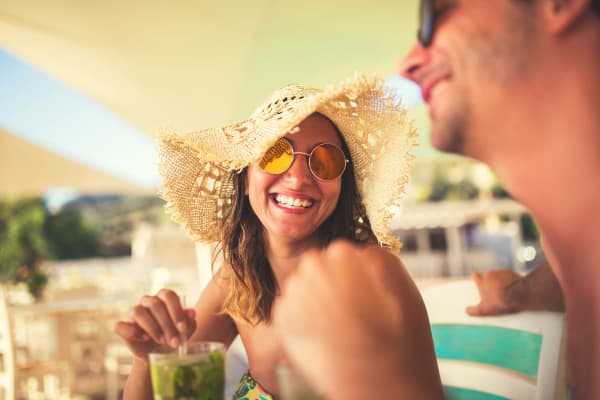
183 335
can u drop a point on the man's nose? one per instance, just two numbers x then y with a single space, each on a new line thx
413 61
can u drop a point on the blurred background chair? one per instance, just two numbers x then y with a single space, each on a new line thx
236 364
117 363
515 356
21 379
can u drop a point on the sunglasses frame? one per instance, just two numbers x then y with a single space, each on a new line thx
308 155
426 22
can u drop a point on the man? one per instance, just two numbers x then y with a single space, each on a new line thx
515 84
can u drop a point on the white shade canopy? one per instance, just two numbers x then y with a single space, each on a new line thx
189 65
26 169
193 64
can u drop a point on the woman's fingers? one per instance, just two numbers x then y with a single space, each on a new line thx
130 331
152 315
136 339
143 316
177 316
190 315
155 322
161 318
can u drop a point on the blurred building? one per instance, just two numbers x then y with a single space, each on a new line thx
453 238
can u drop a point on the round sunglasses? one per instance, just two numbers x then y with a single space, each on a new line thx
326 161
426 22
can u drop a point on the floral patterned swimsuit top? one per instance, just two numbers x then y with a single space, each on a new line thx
249 389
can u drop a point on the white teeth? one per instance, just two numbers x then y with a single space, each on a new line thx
291 202
438 87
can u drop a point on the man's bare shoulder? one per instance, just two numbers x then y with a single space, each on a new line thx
391 272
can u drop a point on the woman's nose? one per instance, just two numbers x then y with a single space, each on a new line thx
299 172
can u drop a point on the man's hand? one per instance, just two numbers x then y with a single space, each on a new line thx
492 292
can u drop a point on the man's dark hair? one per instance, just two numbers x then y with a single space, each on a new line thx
594 5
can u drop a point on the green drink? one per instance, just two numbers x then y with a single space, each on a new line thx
197 374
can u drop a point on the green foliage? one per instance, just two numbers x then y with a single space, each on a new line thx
499 192
443 189
23 244
70 236
29 234
91 226
116 217
529 228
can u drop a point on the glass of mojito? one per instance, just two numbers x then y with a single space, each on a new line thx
199 373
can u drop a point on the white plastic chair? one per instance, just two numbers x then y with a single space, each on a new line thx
7 352
51 379
515 356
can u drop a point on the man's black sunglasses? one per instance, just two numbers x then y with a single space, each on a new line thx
426 22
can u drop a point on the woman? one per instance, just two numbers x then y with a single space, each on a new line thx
307 167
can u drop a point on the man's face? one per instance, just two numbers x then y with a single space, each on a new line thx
471 70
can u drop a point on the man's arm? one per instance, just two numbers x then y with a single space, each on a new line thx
351 320
504 291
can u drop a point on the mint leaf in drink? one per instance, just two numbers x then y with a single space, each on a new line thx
184 380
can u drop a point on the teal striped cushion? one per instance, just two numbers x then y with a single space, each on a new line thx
455 393
502 347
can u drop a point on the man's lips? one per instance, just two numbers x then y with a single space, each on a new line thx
429 88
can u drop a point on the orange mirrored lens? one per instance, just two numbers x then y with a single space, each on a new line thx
278 158
327 161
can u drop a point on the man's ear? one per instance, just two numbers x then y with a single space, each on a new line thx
561 15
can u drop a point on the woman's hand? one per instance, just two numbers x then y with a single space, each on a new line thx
157 321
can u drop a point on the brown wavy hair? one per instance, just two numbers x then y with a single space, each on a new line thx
248 277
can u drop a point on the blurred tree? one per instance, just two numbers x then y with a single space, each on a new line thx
115 218
23 244
443 189
69 236
90 226
499 192
529 228
29 234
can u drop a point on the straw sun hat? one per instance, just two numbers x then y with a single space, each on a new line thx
198 168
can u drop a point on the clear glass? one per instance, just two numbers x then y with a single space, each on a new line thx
197 374
292 385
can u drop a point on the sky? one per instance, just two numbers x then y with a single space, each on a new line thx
49 113
411 93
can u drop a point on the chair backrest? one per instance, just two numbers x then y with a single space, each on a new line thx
513 356
7 353
19 377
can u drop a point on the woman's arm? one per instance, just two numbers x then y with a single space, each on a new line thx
211 323
157 322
